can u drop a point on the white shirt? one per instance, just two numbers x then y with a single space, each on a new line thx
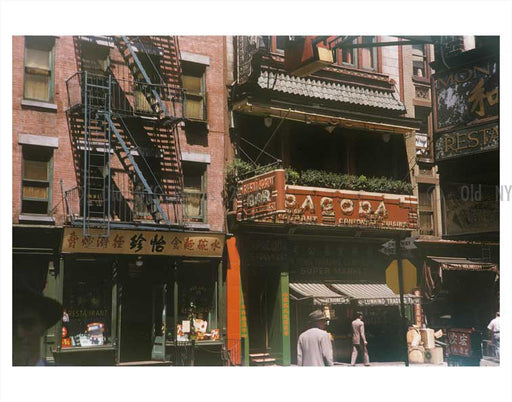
314 348
494 325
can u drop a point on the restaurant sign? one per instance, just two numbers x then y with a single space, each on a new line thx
467 94
266 198
261 196
144 242
467 142
459 342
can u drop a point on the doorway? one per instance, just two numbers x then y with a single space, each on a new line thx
143 312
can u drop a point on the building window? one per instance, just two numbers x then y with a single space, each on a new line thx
194 186
194 90
144 92
426 211
423 134
39 68
87 305
347 56
36 180
368 54
95 58
419 61
278 43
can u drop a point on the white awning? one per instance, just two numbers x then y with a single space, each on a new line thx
372 294
320 293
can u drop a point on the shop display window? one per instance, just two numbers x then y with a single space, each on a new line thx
87 305
197 303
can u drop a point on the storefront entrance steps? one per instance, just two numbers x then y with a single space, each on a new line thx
261 359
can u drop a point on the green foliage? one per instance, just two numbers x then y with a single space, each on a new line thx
292 176
239 170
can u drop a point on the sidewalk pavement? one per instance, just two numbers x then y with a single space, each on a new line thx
396 364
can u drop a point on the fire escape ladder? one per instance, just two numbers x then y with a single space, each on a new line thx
174 128
153 198
129 54
96 167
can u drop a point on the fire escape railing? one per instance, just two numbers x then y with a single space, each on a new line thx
102 101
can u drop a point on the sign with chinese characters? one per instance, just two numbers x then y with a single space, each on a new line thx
466 94
459 342
467 142
144 242
261 196
418 314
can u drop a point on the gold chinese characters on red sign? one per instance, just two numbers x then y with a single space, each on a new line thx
266 198
143 242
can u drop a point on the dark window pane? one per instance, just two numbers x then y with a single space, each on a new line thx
34 207
280 42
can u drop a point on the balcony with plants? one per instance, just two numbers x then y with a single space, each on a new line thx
291 172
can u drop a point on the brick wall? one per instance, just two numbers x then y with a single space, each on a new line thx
51 123
211 141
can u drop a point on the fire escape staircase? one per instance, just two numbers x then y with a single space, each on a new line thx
155 208
126 47
100 122
130 57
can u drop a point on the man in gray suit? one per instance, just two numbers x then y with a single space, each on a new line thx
314 346
359 340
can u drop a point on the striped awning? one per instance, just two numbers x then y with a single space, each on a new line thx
320 293
371 294
463 264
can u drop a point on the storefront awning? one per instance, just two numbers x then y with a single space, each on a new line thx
372 294
462 264
320 293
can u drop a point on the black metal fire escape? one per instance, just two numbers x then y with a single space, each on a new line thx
103 115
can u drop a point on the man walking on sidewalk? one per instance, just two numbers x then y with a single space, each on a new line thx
494 331
359 340
314 346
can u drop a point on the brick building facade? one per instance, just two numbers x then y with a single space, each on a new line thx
118 155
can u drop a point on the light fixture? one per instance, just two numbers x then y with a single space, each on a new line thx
386 137
329 129
139 263
268 121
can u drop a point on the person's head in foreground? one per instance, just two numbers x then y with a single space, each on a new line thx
318 319
32 315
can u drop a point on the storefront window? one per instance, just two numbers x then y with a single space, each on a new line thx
87 304
197 302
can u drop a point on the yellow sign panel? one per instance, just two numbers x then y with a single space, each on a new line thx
409 276
144 242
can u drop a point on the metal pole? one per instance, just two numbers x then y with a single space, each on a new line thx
220 295
402 306
175 301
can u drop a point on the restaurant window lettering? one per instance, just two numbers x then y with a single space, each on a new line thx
87 302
